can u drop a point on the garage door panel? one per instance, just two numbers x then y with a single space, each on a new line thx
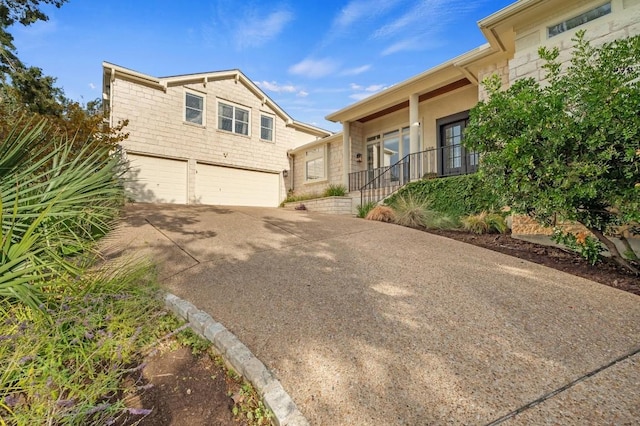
227 186
157 180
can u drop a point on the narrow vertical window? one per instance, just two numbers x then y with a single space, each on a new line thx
194 109
266 128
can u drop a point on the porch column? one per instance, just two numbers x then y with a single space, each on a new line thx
346 152
414 123
414 135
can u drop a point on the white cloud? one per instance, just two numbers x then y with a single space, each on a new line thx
272 86
370 88
421 17
92 86
302 94
356 71
374 88
363 92
358 10
419 27
403 45
360 96
255 30
413 44
314 68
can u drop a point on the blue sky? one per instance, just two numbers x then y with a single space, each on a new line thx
311 57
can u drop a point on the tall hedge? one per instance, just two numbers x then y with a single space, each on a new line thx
455 196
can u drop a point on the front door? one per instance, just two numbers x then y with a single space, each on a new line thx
454 158
373 157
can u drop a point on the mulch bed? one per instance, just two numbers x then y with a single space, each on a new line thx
605 272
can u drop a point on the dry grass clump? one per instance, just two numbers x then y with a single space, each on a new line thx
411 211
484 222
381 214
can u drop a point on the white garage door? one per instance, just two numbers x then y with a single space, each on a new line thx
226 186
157 180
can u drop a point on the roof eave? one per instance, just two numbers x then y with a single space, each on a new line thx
322 141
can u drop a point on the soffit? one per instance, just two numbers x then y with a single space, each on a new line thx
422 84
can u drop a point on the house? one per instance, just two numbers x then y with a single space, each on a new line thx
210 138
415 128
216 138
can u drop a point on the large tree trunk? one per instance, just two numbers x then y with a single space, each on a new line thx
613 250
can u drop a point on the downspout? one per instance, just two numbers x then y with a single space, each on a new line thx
292 169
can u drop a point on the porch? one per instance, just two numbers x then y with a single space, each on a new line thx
378 183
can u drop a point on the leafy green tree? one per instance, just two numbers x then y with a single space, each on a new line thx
570 145
25 12
35 91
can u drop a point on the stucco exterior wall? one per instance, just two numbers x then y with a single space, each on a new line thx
622 22
443 106
157 127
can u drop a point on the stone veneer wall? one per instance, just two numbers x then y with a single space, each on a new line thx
330 205
501 68
525 225
622 22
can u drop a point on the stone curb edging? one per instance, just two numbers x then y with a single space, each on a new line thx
236 354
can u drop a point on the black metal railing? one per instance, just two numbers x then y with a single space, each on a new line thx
432 163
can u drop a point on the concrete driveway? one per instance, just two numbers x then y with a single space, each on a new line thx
366 323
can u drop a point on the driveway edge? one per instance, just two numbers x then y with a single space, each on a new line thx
236 354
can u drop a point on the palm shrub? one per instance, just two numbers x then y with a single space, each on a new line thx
54 204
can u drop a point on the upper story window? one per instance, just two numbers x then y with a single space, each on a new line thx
194 108
233 119
581 19
266 128
315 164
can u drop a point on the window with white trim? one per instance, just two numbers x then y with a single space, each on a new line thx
234 119
194 108
581 19
266 127
315 164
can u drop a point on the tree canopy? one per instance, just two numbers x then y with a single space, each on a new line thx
570 145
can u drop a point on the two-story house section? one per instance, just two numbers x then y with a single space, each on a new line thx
207 138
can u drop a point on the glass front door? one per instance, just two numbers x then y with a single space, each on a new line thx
454 158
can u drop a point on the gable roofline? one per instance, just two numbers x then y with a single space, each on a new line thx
430 80
497 29
310 128
161 83
334 137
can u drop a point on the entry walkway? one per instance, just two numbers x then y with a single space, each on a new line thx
366 323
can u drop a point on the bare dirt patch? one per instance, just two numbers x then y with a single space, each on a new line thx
178 388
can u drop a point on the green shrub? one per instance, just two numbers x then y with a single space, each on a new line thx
65 366
585 245
484 223
364 209
334 190
454 196
291 198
